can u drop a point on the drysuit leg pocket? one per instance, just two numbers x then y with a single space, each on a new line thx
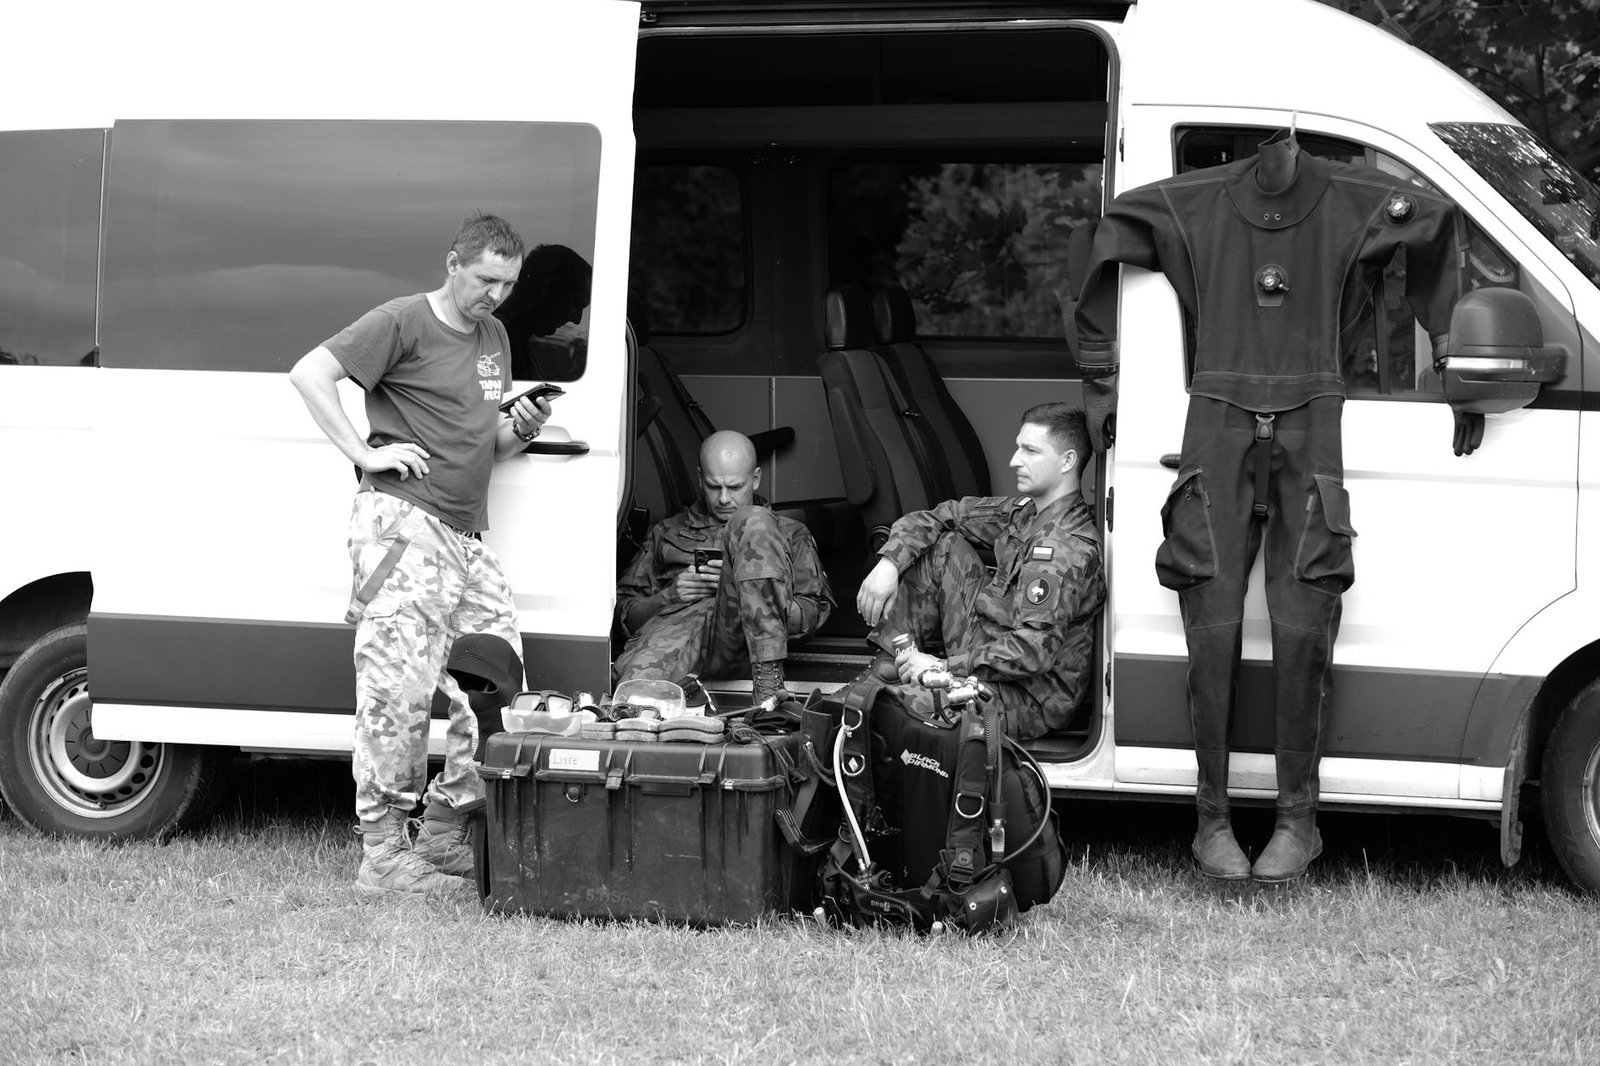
1188 552
1324 557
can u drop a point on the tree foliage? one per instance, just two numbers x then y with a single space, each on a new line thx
1539 59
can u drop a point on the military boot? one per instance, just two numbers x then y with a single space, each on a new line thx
442 840
1215 848
389 865
766 681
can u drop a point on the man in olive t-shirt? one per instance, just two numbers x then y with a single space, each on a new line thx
435 366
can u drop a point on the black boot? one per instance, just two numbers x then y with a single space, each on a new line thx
1215 848
766 682
1295 842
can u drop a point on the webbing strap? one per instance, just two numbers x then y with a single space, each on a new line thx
1263 449
963 856
385 567
997 797
856 759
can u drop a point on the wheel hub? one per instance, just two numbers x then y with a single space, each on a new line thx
90 777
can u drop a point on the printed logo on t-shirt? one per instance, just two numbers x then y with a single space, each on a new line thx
490 378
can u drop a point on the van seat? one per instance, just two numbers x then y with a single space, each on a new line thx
889 463
944 422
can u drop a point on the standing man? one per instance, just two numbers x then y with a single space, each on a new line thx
731 613
435 367
1028 630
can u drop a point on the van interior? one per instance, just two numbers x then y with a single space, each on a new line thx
854 247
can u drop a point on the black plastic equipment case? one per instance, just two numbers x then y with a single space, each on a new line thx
619 829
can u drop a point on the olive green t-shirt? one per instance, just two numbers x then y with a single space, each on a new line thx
435 387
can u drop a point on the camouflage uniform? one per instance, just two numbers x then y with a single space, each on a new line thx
773 588
417 584
1027 630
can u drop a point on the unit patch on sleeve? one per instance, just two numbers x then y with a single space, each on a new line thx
1038 589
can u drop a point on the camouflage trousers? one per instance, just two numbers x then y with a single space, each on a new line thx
418 584
749 617
934 605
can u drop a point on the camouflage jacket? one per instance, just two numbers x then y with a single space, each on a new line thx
670 545
1037 612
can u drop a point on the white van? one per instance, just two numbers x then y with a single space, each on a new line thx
188 215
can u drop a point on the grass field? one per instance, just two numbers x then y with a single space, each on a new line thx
246 944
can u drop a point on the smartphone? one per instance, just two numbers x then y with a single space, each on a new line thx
545 391
702 556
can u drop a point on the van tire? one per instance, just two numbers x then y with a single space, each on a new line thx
1570 788
56 777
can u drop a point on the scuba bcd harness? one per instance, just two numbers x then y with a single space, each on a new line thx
969 888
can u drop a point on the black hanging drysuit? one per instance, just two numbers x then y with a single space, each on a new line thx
1269 285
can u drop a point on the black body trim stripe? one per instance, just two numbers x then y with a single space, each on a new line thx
1377 713
280 666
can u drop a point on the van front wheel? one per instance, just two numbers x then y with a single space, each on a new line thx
1570 788
58 777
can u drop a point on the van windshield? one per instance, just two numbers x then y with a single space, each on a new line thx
1560 202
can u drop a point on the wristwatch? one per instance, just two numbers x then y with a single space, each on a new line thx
527 438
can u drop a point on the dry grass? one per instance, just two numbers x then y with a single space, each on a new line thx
246 944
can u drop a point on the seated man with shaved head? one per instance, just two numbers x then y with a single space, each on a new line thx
726 616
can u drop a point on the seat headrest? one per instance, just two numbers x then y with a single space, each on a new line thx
893 316
847 319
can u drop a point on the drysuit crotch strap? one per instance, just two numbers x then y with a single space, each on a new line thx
1263 450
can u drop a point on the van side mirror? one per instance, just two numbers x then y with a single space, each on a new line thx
1495 358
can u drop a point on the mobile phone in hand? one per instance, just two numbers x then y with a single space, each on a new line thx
702 556
544 391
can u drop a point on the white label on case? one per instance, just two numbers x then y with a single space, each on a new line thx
572 759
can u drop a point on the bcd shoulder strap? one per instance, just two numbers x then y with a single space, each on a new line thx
962 857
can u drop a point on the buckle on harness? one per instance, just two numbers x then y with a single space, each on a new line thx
1264 426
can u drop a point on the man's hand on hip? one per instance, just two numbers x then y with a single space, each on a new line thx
404 458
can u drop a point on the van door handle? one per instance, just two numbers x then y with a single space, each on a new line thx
557 447
1172 460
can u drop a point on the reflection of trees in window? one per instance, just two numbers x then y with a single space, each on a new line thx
687 260
1551 195
981 247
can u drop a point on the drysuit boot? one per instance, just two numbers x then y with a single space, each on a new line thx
766 682
1215 848
1295 839
442 840
388 865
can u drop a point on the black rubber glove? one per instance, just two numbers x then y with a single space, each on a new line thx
1468 432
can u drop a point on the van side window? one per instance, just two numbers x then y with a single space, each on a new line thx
980 246
688 251
1387 353
243 245
49 245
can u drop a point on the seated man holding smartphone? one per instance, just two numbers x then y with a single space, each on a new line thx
723 585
